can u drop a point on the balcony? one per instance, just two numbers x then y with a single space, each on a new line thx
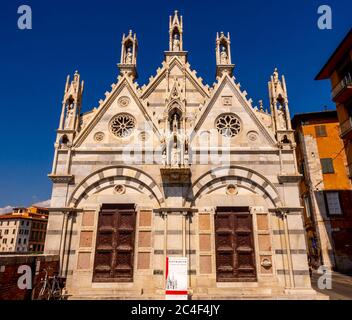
346 129
343 90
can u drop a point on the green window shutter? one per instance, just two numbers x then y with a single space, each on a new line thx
327 165
320 131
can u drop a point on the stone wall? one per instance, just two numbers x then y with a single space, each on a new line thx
9 273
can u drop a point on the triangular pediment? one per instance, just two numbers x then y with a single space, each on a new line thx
227 98
175 68
122 100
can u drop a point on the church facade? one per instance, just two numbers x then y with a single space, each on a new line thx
177 168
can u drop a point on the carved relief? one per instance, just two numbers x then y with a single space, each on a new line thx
124 101
99 136
227 101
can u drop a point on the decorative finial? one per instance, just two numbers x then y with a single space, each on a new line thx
261 105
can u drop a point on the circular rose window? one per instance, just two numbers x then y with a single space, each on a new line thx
228 125
122 125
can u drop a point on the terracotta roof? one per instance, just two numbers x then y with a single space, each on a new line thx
310 116
335 58
21 217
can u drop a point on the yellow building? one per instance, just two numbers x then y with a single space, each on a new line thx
325 189
23 230
339 70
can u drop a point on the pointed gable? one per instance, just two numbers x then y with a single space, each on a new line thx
228 99
123 100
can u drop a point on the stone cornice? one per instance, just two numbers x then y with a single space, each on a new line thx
289 178
61 178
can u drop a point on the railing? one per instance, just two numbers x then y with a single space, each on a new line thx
346 81
346 127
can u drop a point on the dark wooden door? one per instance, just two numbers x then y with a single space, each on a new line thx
114 252
235 257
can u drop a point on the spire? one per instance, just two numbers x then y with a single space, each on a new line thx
279 102
129 49
176 38
71 104
223 54
176 32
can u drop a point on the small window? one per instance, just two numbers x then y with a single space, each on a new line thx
333 203
27 223
320 131
7 231
25 241
12 240
22 223
4 240
14 231
327 165
307 205
19 240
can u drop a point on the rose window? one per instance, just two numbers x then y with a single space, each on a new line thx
228 125
122 125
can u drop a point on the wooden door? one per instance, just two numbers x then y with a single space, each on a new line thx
235 257
114 254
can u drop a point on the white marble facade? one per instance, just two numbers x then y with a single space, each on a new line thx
178 149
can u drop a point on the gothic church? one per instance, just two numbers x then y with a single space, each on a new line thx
177 168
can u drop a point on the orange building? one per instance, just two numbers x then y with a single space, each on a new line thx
325 190
339 70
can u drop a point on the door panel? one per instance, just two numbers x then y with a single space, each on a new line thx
115 244
235 259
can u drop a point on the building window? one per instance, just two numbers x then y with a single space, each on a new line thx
307 205
12 240
122 125
332 200
4 240
27 223
24 240
14 231
7 231
327 165
22 223
228 125
19 240
320 131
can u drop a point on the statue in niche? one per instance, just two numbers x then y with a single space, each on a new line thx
129 56
186 157
175 153
175 124
176 43
223 56
281 119
69 115
163 151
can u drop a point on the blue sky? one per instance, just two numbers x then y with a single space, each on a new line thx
82 35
